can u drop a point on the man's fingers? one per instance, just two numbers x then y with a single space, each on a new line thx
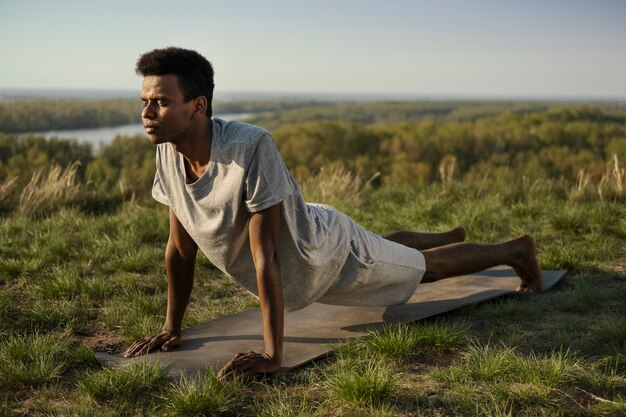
134 348
142 348
129 351
156 341
244 366
236 360
231 368
145 345
226 372
137 344
170 343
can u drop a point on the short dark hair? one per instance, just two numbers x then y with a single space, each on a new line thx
194 72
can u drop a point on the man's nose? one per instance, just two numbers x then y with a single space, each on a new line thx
148 112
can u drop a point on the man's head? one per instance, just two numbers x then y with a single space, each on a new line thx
194 72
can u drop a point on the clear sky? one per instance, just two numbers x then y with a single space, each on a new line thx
523 48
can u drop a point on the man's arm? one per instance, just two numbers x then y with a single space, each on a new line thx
263 230
180 261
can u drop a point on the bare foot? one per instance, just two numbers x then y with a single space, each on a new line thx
527 267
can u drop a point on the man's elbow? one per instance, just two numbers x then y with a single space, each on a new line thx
264 254
175 254
266 264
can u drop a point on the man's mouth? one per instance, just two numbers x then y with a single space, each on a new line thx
150 128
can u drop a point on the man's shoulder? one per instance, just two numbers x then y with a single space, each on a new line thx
164 150
235 132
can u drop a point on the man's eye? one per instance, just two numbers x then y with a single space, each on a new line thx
144 103
162 103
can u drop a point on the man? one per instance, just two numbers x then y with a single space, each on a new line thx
230 194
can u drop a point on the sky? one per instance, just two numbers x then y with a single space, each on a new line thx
477 48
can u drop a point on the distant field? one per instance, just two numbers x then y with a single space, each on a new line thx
81 267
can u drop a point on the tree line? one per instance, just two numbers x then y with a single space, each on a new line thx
470 143
551 143
30 115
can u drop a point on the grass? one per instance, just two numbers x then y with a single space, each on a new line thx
362 383
34 360
49 190
586 295
138 383
401 341
72 281
203 395
394 341
610 336
283 404
483 373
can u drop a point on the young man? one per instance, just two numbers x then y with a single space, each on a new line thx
230 194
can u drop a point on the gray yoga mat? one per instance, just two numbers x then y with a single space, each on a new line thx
314 330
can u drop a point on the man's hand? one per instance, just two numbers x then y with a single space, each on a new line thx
165 340
249 364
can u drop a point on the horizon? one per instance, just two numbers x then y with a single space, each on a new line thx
17 94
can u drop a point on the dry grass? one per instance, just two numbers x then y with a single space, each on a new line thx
6 192
336 184
614 178
49 190
448 168
610 186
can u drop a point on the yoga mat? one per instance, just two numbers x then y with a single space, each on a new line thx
311 332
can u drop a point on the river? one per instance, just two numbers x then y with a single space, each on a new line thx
100 136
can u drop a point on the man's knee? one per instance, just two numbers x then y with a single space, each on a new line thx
432 270
430 276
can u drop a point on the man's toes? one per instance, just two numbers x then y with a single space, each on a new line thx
526 288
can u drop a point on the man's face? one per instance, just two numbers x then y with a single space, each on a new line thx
166 117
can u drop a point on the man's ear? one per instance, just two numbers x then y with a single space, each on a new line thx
200 105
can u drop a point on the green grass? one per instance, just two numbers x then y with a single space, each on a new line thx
402 341
394 341
587 295
136 384
282 404
34 360
610 337
362 383
137 316
203 395
540 382
74 279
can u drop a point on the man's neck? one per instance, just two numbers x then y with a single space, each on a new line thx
197 150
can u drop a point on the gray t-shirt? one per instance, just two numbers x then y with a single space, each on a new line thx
246 174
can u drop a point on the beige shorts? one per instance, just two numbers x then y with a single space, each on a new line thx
377 272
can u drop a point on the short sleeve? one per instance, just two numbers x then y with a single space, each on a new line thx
267 180
158 191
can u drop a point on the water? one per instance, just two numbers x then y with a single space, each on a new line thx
97 136
100 136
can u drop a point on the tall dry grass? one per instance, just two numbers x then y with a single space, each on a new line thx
336 185
6 193
448 167
611 185
614 178
47 191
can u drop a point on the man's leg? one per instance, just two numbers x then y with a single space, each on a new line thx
465 258
423 241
